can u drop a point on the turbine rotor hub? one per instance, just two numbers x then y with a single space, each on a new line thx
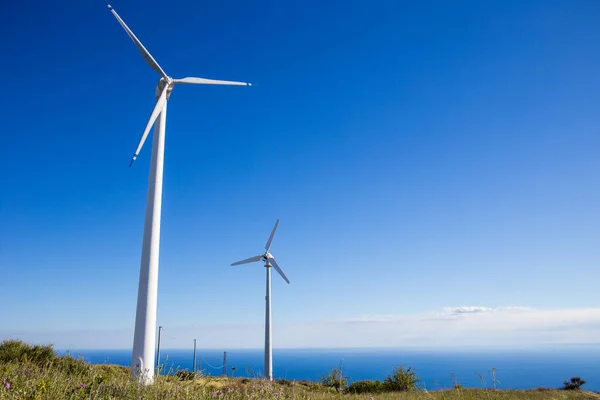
162 82
266 258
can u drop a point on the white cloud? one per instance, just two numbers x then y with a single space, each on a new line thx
466 310
479 309
485 326
449 327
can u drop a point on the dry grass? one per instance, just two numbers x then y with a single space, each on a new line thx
27 380
36 373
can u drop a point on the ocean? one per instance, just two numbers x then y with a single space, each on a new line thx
514 369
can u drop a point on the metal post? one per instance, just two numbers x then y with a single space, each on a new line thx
224 363
194 355
158 352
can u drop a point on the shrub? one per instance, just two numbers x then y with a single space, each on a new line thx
334 379
360 387
185 375
402 380
72 366
17 351
12 350
575 383
40 354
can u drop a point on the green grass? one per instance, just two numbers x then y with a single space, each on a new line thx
39 374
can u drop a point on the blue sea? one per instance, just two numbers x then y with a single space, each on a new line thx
514 369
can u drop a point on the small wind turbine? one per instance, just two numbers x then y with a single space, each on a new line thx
269 262
142 362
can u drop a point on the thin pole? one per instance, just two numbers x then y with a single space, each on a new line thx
194 355
142 360
268 348
158 352
224 363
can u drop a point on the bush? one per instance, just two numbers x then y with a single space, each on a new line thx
17 351
334 379
72 366
402 380
575 383
360 387
185 375
12 350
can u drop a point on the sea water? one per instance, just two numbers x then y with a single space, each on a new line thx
506 369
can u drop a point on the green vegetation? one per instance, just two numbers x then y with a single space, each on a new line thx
334 379
37 373
15 350
368 386
185 375
402 380
574 384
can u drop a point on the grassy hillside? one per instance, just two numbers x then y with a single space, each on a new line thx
35 372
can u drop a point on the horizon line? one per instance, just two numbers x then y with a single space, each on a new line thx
432 348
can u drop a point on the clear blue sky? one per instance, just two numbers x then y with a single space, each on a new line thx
420 156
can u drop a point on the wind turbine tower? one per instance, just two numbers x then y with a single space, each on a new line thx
270 262
142 362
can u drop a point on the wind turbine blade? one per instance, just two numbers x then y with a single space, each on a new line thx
268 245
203 81
248 260
160 105
145 53
276 266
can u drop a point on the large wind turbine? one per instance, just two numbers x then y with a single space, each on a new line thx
142 362
269 262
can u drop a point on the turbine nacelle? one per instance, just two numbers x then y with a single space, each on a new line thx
165 81
266 257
